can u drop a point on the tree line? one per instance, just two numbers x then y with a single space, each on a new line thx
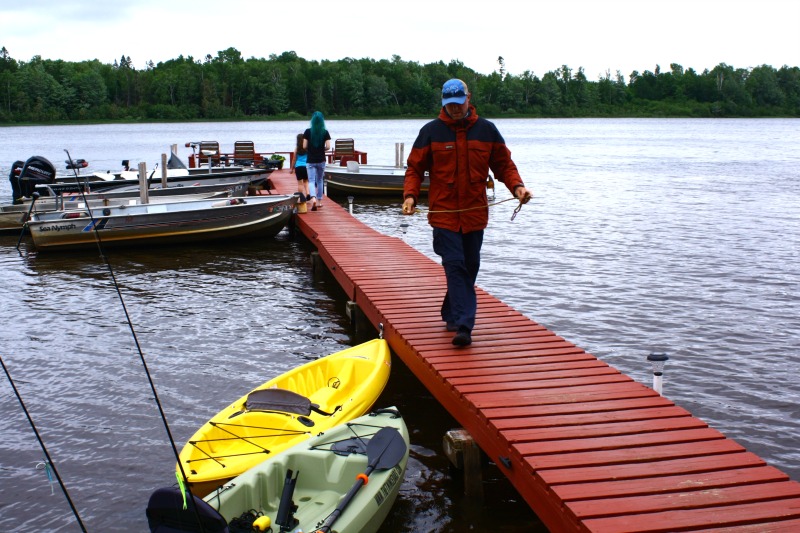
286 86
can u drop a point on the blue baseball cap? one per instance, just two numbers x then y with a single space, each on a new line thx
454 92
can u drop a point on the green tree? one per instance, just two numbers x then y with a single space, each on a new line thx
550 94
8 72
762 85
733 98
40 94
227 86
376 93
789 82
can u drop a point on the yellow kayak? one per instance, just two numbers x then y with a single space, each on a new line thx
283 411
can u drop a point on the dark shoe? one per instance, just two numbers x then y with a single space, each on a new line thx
451 326
462 338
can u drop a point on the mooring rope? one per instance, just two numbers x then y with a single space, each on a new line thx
488 205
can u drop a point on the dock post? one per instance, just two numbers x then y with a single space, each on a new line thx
144 197
317 266
399 148
358 320
464 454
163 171
350 310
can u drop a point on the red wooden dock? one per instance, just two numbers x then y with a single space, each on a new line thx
587 447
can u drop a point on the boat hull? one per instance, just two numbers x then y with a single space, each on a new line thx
13 216
162 223
324 476
106 182
367 180
344 384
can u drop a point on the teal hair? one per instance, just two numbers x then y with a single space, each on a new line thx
317 129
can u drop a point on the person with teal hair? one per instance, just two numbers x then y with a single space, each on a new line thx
317 141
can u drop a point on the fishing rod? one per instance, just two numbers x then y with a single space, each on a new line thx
49 465
182 479
34 197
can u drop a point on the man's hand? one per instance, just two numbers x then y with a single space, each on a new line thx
408 206
523 195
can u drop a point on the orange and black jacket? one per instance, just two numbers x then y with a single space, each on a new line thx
458 155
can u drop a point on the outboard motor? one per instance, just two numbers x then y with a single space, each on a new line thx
174 162
37 170
13 177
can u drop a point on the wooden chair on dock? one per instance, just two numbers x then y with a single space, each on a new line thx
344 148
208 146
244 153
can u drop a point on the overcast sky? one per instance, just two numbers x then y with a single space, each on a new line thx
534 35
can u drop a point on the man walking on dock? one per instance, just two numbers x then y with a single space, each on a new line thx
458 149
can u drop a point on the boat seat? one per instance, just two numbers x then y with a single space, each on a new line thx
281 400
244 153
208 145
346 159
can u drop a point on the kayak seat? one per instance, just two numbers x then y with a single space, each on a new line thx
165 514
281 400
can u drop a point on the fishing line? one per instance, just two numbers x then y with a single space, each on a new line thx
34 197
49 465
105 260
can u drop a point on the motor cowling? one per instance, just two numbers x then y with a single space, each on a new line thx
36 170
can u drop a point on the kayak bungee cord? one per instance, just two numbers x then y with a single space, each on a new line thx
182 479
48 464
280 432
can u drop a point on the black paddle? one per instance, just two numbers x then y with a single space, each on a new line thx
385 449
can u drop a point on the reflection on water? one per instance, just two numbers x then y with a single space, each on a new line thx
644 235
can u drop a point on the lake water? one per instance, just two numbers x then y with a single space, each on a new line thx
645 235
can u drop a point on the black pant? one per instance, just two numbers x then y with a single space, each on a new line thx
461 259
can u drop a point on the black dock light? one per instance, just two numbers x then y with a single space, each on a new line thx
403 227
658 359
350 202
